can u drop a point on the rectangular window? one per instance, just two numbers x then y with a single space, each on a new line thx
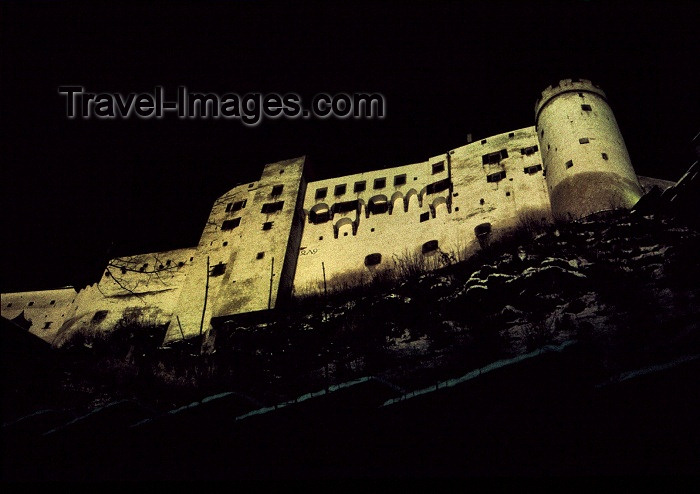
360 186
494 157
272 207
340 190
379 183
586 107
321 193
496 177
230 224
532 169
569 164
399 180
277 190
228 207
511 135
483 141
438 186
267 225
346 206
529 150
438 167
424 216
583 140
238 205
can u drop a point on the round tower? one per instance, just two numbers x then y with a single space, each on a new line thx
585 160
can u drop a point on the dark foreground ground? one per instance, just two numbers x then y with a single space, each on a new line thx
572 352
548 413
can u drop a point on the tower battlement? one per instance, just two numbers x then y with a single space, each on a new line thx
566 86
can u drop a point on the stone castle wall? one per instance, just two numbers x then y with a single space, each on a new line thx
281 236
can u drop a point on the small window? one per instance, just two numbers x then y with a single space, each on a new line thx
605 156
583 140
267 225
360 186
321 237
529 150
496 177
438 167
9 305
429 246
321 193
340 189
100 316
542 133
191 259
277 190
238 205
373 259
379 183
218 269
399 180
228 206
424 216
260 255
511 135
371 229
272 207
250 186
569 164
495 157
481 201
230 224
507 194
47 325
483 141
225 244
586 107
438 186
532 169
52 302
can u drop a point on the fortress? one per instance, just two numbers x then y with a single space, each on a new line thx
281 236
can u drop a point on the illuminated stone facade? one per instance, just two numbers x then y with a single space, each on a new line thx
281 236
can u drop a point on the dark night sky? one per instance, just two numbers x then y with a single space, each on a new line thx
76 192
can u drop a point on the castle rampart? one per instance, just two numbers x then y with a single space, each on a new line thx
279 237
